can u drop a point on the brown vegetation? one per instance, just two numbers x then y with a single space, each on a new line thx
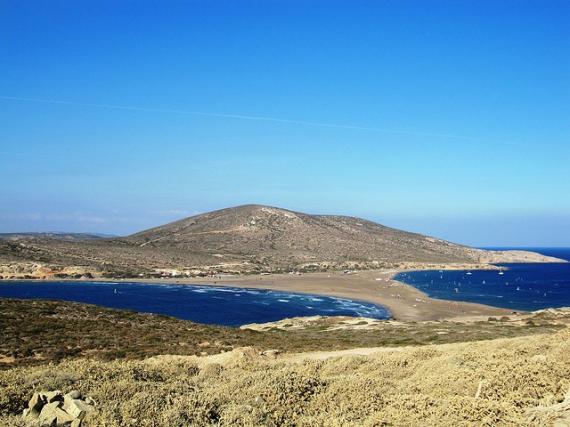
246 239
510 382
34 332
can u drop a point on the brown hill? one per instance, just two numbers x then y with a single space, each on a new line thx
282 236
253 238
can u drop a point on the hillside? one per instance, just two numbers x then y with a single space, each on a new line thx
279 235
521 381
70 330
250 238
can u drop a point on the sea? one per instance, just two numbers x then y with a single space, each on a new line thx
226 306
524 287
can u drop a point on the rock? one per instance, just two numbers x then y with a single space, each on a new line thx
49 421
63 417
49 413
77 408
73 394
52 396
35 406
53 414
54 409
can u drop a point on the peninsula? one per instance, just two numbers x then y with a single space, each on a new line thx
249 239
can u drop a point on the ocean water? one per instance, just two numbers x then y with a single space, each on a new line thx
520 287
204 304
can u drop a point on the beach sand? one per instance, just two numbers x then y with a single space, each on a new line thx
376 286
404 302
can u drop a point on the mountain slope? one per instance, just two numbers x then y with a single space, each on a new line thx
253 238
279 234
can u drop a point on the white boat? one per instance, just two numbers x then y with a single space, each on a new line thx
469 273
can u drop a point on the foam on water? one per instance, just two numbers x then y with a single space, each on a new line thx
215 305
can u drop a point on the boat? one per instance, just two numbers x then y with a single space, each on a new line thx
469 273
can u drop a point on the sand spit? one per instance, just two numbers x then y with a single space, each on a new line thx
404 302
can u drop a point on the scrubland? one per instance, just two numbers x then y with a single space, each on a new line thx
517 381
34 332
144 370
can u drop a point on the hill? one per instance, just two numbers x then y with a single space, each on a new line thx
250 238
518 381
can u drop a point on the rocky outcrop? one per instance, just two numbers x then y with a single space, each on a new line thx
33 270
514 256
55 409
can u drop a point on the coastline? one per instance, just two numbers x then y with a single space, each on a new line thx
403 301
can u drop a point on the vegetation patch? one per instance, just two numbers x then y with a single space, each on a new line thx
37 331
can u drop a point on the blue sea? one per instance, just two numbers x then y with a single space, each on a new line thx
521 286
204 304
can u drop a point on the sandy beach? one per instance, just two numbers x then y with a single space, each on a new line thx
376 286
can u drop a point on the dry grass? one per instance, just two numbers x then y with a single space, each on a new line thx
35 332
428 386
522 380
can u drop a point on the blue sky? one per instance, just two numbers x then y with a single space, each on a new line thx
444 117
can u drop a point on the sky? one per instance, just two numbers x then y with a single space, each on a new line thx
450 118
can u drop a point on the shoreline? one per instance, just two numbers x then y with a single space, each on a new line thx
404 302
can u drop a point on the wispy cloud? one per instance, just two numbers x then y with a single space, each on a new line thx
240 117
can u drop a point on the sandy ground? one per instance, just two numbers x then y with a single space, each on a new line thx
376 286
405 302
